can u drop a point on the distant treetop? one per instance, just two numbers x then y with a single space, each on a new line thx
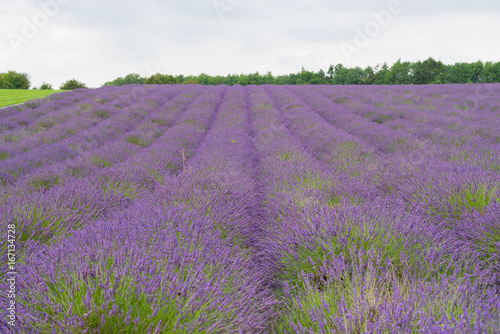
429 71
14 80
72 84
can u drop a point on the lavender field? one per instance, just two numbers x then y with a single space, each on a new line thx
258 209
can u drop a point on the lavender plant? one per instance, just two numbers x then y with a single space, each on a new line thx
258 209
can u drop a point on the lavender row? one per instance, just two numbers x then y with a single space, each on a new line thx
80 199
83 119
119 145
42 115
424 175
312 277
225 310
447 192
88 139
453 186
27 116
453 123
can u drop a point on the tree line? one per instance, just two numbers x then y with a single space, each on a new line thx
429 71
16 80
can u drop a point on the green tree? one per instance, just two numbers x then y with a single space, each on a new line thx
368 76
399 73
267 79
204 79
305 77
320 77
381 73
348 76
231 79
476 71
72 84
340 75
491 72
429 71
3 82
282 80
190 82
218 80
14 80
293 78
161 79
46 86
464 73
133 78
355 76
331 72
455 73
128 79
180 78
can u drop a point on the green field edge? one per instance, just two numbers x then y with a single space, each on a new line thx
10 97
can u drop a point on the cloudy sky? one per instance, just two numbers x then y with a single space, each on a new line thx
98 41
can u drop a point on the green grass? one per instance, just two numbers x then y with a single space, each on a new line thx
136 140
470 198
44 183
15 96
341 100
375 263
373 239
71 293
3 155
101 162
38 224
126 188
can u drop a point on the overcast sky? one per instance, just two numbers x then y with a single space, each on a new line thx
98 41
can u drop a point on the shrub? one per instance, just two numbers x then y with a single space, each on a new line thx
72 84
14 80
46 86
161 79
132 78
191 82
3 82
